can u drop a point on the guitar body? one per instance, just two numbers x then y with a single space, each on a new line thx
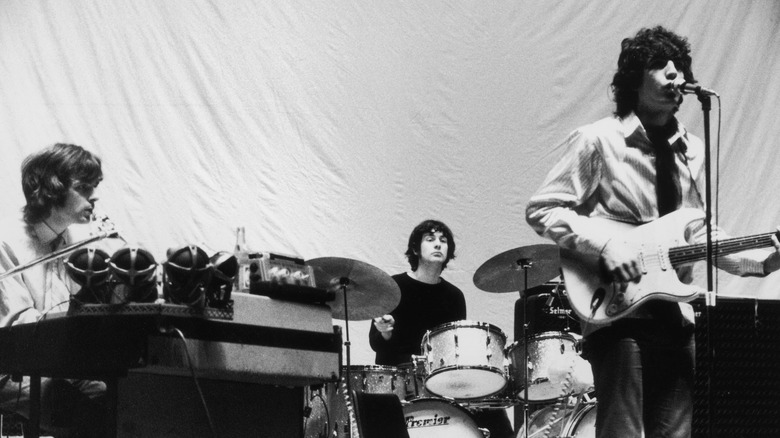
598 300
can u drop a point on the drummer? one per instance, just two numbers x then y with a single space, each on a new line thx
427 301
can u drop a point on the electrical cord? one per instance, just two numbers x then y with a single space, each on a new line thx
168 330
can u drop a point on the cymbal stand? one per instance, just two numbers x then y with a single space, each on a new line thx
525 264
344 282
558 294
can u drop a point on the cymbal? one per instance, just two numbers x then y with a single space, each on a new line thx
504 272
370 292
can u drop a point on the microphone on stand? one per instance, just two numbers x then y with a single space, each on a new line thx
104 225
693 88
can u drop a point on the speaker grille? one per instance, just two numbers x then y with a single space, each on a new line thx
737 388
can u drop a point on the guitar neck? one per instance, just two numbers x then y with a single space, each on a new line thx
693 253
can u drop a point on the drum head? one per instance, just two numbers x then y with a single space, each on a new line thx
466 383
466 324
438 418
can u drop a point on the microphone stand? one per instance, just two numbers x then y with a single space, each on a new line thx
62 252
710 295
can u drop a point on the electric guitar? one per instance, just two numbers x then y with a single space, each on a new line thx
663 248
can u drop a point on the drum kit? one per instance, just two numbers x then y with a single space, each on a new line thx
464 366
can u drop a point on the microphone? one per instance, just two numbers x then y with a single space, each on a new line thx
105 226
693 88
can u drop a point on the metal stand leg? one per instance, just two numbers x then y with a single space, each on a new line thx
35 405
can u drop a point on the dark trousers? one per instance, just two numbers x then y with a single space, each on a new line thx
68 407
643 372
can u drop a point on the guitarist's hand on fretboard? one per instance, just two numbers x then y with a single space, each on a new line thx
772 263
620 261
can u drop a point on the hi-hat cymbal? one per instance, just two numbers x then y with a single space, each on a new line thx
505 273
370 291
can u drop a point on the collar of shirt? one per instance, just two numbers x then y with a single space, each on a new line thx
631 126
46 237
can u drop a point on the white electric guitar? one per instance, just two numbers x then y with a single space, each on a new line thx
663 248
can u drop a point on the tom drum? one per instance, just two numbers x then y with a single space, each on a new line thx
464 360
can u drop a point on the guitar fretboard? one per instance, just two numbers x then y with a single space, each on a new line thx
697 252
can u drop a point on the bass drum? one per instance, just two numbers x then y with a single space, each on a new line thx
439 418
562 423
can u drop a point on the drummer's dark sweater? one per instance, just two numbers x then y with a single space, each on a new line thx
422 307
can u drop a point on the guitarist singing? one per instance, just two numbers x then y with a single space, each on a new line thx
632 169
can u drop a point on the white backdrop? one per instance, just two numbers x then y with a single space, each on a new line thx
330 129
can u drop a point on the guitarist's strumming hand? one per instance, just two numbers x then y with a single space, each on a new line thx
620 262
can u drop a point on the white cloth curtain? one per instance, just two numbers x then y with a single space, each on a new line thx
330 129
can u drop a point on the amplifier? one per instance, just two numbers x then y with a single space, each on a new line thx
268 341
281 277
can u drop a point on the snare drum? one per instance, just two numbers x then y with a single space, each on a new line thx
464 359
554 366
377 379
439 418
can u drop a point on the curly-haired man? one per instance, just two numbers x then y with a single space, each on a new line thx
633 168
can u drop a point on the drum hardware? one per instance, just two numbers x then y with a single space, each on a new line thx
375 293
517 270
415 378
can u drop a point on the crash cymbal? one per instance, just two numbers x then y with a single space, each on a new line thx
505 273
370 291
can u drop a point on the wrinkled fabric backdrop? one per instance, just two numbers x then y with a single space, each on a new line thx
330 129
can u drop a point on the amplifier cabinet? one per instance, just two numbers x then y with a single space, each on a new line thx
737 388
